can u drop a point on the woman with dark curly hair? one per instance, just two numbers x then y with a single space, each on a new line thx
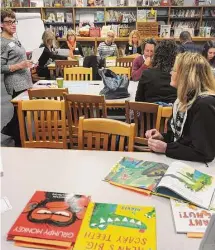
209 52
154 85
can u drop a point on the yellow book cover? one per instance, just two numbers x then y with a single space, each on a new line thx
117 227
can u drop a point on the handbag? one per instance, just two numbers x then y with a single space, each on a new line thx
115 87
95 32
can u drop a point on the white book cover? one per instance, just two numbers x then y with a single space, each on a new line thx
189 218
141 15
60 17
165 31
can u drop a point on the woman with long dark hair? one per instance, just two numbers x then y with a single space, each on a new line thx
209 52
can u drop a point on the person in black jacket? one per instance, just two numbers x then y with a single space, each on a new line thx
154 84
71 44
48 54
191 134
134 44
187 44
209 52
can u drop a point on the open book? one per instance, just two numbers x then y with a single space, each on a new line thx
178 180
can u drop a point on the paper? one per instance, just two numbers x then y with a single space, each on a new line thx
63 52
36 54
5 204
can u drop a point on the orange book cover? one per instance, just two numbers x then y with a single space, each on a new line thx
51 216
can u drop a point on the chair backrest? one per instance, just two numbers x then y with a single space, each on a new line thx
61 64
105 134
166 113
78 74
42 123
124 62
145 116
51 94
121 71
34 75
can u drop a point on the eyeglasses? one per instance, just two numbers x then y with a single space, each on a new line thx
11 22
110 36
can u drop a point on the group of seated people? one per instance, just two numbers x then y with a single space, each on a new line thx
185 79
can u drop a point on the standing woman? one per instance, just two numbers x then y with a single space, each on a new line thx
134 44
14 67
73 46
48 54
209 52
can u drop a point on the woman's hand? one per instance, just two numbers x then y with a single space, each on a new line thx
154 134
157 145
25 64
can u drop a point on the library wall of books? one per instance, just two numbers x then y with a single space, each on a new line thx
92 18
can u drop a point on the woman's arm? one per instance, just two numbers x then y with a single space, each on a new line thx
202 135
127 49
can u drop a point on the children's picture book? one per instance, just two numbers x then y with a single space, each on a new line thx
189 218
100 17
178 180
60 17
50 218
111 226
151 15
48 3
16 3
69 17
141 15
36 3
165 31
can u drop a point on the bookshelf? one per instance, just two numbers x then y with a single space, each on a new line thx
194 16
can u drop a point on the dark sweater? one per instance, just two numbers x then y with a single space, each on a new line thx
189 47
78 50
154 86
197 142
129 49
42 69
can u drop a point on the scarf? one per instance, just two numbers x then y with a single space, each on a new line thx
72 46
179 118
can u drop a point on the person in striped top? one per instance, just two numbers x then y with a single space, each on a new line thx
108 47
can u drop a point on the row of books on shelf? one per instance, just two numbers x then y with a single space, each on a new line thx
185 13
53 220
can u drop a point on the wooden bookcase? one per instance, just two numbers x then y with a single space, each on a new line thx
165 14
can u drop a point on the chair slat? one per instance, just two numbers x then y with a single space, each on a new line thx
89 141
36 125
121 143
49 125
113 142
29 126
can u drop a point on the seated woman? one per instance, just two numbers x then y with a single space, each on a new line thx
134 44
108 48
190 133
48 54
209 52
71 44
154 83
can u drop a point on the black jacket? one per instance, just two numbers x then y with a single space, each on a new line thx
189 47
197 142
154 86
78 50
129 49
42 69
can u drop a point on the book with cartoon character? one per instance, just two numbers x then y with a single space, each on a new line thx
189 218
50 220
178 180
115 226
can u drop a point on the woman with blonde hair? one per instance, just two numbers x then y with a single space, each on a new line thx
134 43
48 54
191 134
71 44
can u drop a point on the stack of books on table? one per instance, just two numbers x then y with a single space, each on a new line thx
57 221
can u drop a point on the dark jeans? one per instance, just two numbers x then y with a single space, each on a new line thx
12 127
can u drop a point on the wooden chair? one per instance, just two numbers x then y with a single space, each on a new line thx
145 116
166 113
61 64
42 124
34 75
47 93
124 62
121 71
108 134
90 106
78 74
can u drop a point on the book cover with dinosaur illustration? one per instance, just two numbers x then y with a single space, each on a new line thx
189 218
137 173
117 227
51 219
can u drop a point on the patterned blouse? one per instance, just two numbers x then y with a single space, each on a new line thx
12 52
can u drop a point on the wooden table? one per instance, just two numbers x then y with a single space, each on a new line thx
82 172
85 87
